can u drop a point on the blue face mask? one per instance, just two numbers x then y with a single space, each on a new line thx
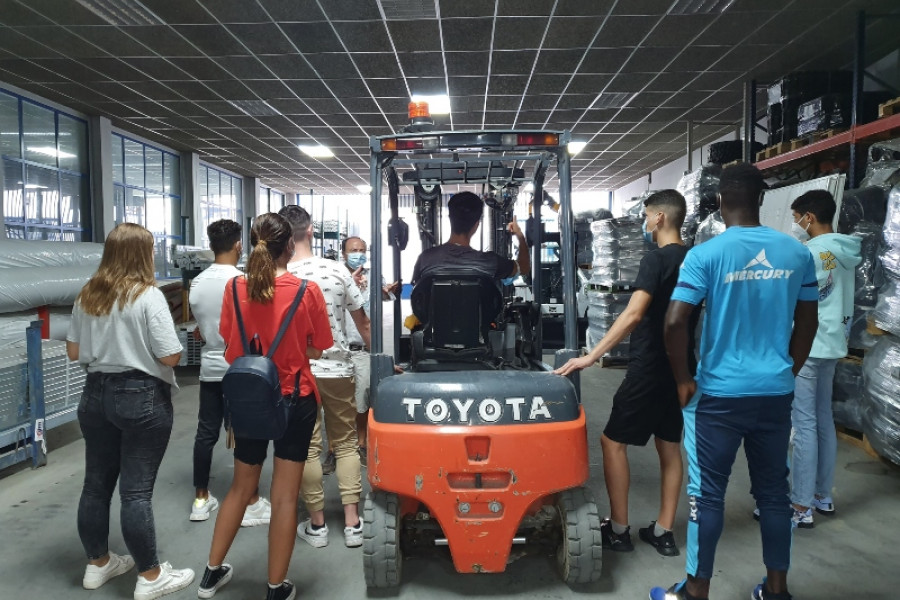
648 235
356 259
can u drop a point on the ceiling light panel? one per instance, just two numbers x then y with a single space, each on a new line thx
255 108
122 12
408 10
612 100
699 7
437 105
315 150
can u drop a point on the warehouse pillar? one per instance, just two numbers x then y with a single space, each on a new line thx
249 204
103 209
190 199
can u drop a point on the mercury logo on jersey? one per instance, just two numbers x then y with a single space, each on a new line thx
490 410
749 273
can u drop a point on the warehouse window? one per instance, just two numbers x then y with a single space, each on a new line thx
147 191
269 200
45 171
220 198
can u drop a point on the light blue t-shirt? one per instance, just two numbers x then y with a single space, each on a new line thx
751 279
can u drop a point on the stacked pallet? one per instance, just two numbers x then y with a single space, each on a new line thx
618 247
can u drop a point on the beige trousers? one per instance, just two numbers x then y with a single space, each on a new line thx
339 406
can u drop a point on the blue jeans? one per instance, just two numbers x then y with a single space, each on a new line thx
713 431
126 420
815 441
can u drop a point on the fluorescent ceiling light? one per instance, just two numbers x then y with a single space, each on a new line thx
437 105
255 108
315 150
365 188
34 186
576 147
121 12
699 7
49 151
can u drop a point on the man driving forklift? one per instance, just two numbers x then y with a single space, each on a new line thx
465 210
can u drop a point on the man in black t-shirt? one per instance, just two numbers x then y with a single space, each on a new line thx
646 404
465 210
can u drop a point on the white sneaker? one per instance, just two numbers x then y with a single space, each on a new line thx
803 519
353 536
169 581
317 538
258 513
202 507
95 576
824 505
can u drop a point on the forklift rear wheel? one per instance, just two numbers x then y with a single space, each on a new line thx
580 553
382 558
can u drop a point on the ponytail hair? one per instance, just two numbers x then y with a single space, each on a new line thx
269 238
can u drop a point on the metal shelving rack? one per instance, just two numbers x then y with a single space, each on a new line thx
858 136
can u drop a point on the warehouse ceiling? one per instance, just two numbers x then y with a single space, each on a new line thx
243 82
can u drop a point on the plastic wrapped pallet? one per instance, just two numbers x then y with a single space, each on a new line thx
860 336
890 256
29 253
604 307
699 189
881 415
887 310
618 246
824 112
711 226
847 400
883 165
584 254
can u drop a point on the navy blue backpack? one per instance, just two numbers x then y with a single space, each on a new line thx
251 386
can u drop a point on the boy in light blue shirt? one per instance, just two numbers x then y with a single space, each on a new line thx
815 442
759 288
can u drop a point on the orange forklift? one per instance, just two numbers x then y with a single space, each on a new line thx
476 446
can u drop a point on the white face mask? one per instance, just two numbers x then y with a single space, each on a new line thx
801 233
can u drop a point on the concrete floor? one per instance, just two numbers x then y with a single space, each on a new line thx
851 555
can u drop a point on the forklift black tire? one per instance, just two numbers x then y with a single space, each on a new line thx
580 553
382 558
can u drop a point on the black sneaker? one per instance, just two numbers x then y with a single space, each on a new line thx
617 542
213 579
664 544
285 591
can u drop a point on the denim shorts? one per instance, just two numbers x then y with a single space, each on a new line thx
293 446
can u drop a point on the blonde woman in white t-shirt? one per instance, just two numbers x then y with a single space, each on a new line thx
123 332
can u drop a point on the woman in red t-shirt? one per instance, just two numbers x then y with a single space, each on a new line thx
265 294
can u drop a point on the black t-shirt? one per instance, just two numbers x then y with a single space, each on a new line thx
448 255
657 276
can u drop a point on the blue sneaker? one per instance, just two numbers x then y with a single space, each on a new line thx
676 592
760 593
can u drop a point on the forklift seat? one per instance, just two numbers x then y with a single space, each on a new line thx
456 306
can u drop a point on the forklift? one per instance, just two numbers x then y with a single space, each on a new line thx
476 446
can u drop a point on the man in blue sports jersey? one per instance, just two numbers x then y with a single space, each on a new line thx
761 294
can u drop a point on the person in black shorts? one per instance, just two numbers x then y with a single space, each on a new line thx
646 404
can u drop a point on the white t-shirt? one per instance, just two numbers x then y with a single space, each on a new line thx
207 290
341 294
131 338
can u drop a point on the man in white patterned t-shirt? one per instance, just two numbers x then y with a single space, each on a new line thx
335 379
